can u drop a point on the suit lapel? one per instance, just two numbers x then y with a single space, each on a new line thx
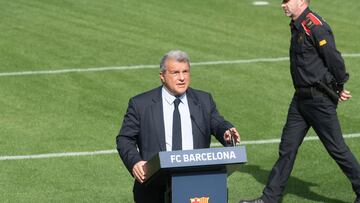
158 118
197 120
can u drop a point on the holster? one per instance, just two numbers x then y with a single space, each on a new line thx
329 91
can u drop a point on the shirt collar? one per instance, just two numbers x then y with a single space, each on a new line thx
300 19
169 98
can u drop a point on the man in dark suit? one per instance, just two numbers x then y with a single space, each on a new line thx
170 117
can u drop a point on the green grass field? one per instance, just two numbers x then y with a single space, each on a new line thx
83 111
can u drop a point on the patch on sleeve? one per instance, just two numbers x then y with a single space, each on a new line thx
322 42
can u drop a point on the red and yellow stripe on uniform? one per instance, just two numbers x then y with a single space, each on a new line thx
310 21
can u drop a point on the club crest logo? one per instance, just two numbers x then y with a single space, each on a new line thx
199 200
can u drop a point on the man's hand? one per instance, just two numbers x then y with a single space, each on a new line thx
344 95
139 171
234 133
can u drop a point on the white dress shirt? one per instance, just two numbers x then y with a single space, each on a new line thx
186 128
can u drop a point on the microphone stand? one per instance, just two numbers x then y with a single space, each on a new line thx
233 142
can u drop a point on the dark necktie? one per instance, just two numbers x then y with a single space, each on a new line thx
176 139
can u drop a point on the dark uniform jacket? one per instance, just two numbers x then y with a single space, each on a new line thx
313 54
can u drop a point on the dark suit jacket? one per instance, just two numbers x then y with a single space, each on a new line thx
142 134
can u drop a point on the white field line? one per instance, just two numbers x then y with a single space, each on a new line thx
260 3
54 155
276 141
77 70
71 154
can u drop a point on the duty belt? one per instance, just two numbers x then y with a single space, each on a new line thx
307 92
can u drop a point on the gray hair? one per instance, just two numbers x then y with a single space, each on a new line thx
177 55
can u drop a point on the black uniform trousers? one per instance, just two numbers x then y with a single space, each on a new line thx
319 112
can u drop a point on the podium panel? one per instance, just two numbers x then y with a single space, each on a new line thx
194 176
194 187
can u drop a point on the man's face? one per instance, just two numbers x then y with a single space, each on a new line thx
176 77
292 8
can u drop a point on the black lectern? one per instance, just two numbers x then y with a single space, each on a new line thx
195 176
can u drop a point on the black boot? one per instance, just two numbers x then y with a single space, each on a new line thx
357 200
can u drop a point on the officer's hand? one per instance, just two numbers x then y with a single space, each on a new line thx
234 133
139 171
344 95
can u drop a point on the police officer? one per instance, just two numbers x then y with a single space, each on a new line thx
318 74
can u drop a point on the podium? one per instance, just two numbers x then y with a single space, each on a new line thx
194 176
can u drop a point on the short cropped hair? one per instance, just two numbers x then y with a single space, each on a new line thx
177 55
